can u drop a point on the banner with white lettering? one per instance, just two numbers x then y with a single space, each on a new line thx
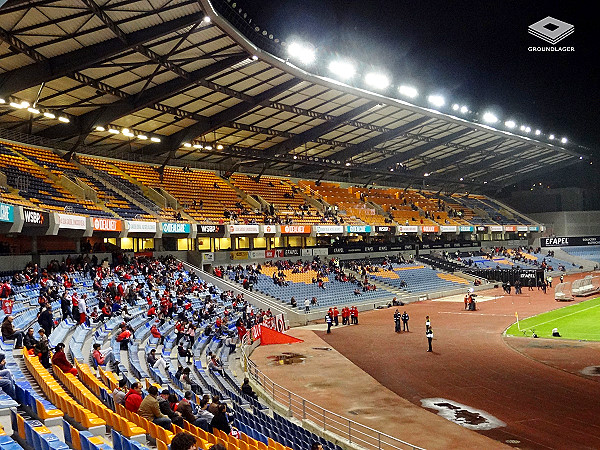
570 241
71 222
33 218
139 226
175 228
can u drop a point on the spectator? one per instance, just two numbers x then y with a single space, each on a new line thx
184 353
247 389
59 359
204 417
10 333
156 334
29 341
7 382
103 356
185 407
183 441
156 362
215 365
124 338
42 348
133 398
165 408
220 421
150 410
213 408
120 392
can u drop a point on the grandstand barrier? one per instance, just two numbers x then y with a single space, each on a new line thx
315 418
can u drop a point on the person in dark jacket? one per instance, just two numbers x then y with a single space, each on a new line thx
46 320
9 332
42 348
165 408
185 407
220 421
247 389
29 340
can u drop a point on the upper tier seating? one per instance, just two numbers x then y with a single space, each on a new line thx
35 186
418 278
589 252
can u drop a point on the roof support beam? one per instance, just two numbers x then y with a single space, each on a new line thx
487 161
405 156
533 173
461 155
107 114
317 131
175 141
357 149
50 69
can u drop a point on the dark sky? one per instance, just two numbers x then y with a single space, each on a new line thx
474 52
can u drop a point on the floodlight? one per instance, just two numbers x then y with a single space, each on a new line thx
564 140
187 144
208 147
347 164
125 131
538 132
408 91
301 52
522 128
490 117
464 109
128 134
63 119
97 128
206 19
113 131
510 124
155 139
551 137
219 147
49 115
198 146
527 129
2 101
142 137
33 110
16 105
461 178
342 69
436 100
254 58
24 104
426 174
377 80
455 107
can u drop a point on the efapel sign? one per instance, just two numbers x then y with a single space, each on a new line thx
295 229
101 224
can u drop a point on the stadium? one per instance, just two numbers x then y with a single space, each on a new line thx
208 240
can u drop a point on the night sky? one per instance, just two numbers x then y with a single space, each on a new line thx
473 52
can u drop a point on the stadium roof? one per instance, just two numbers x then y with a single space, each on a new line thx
190 82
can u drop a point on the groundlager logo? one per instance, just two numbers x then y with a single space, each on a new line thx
6 212
176 227
552 31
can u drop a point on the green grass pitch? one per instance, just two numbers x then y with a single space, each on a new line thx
580 321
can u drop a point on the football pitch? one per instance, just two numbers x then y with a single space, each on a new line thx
580 321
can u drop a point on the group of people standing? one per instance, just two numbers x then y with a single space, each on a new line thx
349 317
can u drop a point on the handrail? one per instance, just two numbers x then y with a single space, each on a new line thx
300 408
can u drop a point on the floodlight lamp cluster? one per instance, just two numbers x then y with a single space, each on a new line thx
35 110
117 130
202 145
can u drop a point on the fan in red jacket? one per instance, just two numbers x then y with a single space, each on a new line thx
133 398
59 359
156 333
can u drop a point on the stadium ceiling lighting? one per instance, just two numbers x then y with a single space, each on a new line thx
377 80
302 53
50 115
206 19
408 91
155 139
464 109
551 137
522 128
128 134
97 128
510 124
426 174
254 58
295 157
538 132
461 178
208 147
33 110
142 137
485 182
490 117
16 105
219 147
342 69
25 104
455 107
564 140
63 119
527 129
113 131
436 100
198 146
347 164
2 101
125 131
187 144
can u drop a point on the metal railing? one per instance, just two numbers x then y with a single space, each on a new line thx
302 409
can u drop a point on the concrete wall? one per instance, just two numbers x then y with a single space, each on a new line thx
570 223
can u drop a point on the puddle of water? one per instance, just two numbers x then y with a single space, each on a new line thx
287 358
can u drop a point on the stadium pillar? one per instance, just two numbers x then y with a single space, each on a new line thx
34 245
78 246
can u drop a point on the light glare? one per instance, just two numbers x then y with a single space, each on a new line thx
436 100
377 80
490 117
408 91
302 53
510 124
342 69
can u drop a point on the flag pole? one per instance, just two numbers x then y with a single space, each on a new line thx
517 316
